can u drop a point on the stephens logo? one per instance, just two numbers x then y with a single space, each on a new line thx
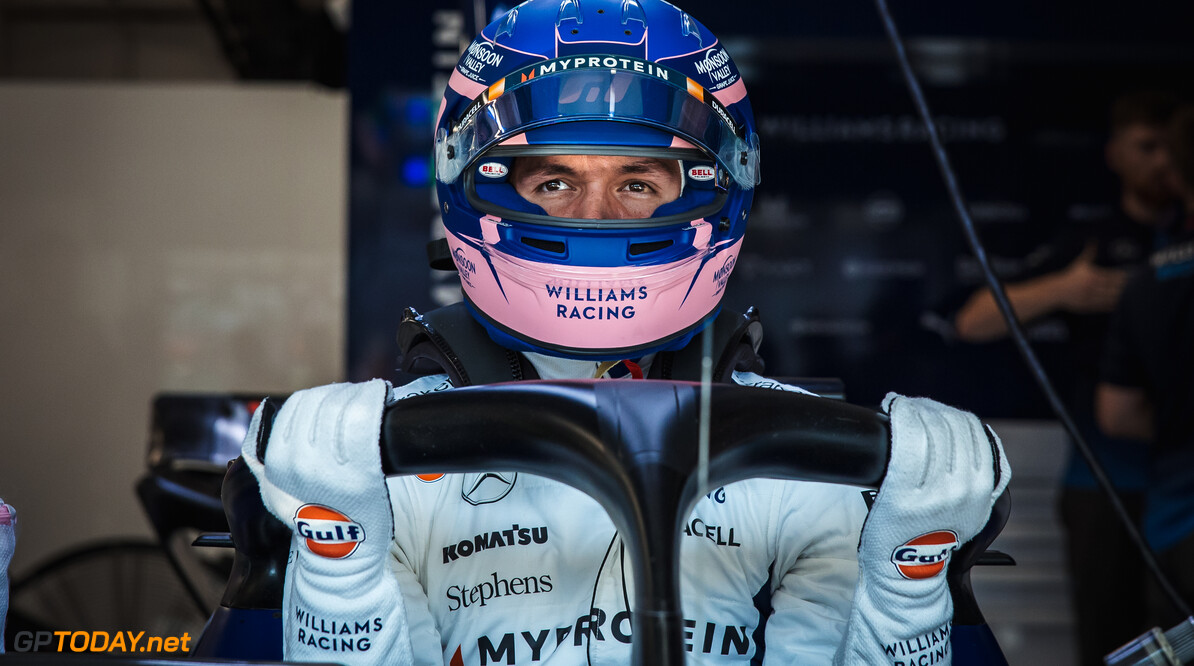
493 170
495 587
328 532
926 555
702 173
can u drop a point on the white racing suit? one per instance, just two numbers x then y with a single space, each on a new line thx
495 568
515 569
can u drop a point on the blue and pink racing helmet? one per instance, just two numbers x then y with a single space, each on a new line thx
595 77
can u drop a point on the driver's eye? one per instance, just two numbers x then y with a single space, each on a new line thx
554 185
638 187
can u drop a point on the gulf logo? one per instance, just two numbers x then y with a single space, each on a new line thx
926 555
429 478
328 532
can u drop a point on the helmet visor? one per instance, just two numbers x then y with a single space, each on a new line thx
609 88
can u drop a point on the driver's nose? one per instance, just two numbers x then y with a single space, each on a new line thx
601 205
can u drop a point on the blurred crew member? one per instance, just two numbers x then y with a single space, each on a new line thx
1079 276
1147 384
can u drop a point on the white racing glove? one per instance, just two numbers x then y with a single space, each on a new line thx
322 477
946 471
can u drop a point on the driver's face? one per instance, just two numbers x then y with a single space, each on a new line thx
596 187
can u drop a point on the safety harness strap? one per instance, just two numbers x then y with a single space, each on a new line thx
736 340
449 340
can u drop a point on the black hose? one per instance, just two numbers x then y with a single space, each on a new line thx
1013 324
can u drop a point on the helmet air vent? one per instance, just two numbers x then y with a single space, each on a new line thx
644 248
632 11
569 11
556 247
689 29
507 26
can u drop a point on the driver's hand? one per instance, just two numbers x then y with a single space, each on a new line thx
322 472
945 473
322 477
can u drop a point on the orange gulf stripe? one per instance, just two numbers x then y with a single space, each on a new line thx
332 551
925 571
696 90
933 538
312 512
496 90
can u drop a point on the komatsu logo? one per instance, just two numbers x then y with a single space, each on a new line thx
327 532
515 536
926 555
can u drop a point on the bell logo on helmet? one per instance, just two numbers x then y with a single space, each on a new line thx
926 555
327 532
702 173
493 170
